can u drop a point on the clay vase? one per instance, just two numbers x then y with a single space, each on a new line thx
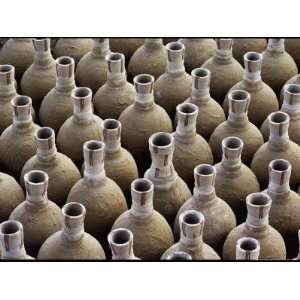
291 106
285 210
191 149
18 52
12 241
17 141
92 67
237 124
57 165
292 46
140 120
57 105
247 249
191 223
219 218
119 164
82 126
257 226
234 180
127 46
170 191
40 77
179 256
71 242
121 244
225 70
150 58
263 99
152 234
197 52
174 86
278 146
117 93
277 65
101 196
294 80
39 216
244 45
75 48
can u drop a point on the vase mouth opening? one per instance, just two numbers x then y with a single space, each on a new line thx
6 68
280 165
36 177
21 101
143 79
44 133
115 57
205 170
73 210
239 95
278 117
94 145
192 218
258 200
187 108
252 56
179 256
201 73
161 140
10 227
292 89
82 92
111 124
233 143
120 236
175 46
65 60
248 244
142 185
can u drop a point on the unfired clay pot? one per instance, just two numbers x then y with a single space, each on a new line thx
263 99
191 223
234 180
18 52
39 216
101 196
117 93
294 80
141 119
242 46
17 141
225 70
82 126
285 210
72 242
210 112
12 241
150 58
170 191
40 77
247 249
57 105
62 172
191 149
92 68
197 52
152 234
292 46
219 218
277 65
278 146
237 124
257 226
174 86
75 48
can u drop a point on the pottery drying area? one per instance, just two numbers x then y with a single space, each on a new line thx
149 149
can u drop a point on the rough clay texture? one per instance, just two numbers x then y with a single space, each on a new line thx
272 245
242 46
250 135
10 197
76 48
265 154
152 235
19 54
263 101
122 169
109 101
55 109
127 46
16 147
104 203
210 115
284 216
37 82
197 52
38 223
72 135
219 220
234 186
223 76
294 80
148 60
276 69
189 155
170 91
137 127
57 247
62 172
292 46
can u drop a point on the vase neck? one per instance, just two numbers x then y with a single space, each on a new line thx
65 81
291 100
22 106
45 142
7 81
224 49
42 54
279 125
232 148
144 84
175 59
252 63
247 249
276 46
82 105
101 47
116 72
112 135
200 85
